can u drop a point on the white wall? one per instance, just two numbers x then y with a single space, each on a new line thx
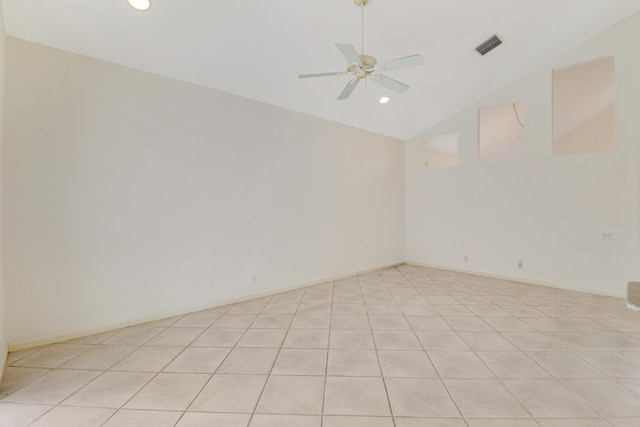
130 195
547 211
3 341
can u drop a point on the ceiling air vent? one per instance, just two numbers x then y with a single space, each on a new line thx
488 45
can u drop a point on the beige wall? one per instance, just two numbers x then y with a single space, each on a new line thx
132 196
550 212
3 341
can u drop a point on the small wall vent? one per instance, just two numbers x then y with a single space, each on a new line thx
488 45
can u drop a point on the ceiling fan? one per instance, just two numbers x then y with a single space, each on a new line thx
364 66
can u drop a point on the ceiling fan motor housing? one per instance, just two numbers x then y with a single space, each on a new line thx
362 71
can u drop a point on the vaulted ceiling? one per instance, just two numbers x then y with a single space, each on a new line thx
256 49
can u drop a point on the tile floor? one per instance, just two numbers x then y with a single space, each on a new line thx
403 347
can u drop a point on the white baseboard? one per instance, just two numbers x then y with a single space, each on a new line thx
521 280
22 345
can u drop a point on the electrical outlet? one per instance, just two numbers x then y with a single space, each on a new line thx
608 235
254 279
520 264
466 258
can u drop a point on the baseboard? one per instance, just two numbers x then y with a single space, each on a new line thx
520 280
22 345
4 350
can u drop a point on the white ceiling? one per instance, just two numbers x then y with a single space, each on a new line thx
256 49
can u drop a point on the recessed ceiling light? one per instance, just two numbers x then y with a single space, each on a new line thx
140 4
384 100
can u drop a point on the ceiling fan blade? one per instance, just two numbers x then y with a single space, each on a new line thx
346 92
389 83
336 73
308 76
350 53
398 63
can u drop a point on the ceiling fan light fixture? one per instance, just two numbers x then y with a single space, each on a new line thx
384 100
140 4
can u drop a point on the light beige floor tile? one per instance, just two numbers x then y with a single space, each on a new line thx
306 338
267 420
109 390
230 393
523 311
14 378
532 341
161 323
100 357
317 299
485 399
52 356
337 421
196 320
408 397
575 422
494 422
468 323
314 308
508 324
350 322
565 365
262 338
52 388
616 341
396 340
512 365
200 419
453 310
273 321
348 299
383 309
139 418
441 341
375 299
289 297
20 415
234 321
459 364
134 335
349 309
406 364
176 337
148 359
311 321
547 398
247 307
418 310
442 300
486 341
198 360
574 341
613 364
353 363
218 337
609 398
63 416
429 422
280 308
301 362
624 422
351 339
171 392
249 361
14 356
357 396
488 310
428 323
296 395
